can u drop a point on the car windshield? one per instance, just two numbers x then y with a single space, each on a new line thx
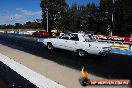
89 38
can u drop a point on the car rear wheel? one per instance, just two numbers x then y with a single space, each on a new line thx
49 46
81 53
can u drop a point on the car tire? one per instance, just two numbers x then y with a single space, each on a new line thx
81 53
49 46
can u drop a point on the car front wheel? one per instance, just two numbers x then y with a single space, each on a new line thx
81 53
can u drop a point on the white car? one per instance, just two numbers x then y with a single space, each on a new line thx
79 43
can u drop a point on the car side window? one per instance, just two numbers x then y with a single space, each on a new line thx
64 36
74 37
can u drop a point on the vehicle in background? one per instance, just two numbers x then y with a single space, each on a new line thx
44 34
80 43
128 39
101 37
115 38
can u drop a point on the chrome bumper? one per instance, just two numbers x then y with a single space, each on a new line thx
104 52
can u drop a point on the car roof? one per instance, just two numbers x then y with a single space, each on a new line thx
78 33
81 33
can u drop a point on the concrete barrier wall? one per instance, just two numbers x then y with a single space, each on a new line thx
125 52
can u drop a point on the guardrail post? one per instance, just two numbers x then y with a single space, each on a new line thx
130 48
114 43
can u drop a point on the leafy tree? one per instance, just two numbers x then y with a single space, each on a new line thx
122 16
56 10
122 12
18 26
106 10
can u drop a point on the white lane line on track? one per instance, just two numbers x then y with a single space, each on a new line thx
34 77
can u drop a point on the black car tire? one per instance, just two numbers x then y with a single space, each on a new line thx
81 53
49 46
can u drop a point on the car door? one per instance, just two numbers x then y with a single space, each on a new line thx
72 43
62 41
91 46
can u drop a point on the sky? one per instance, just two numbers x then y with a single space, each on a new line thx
21 11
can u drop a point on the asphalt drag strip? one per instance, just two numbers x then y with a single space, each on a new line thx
18 76
113 67
12 79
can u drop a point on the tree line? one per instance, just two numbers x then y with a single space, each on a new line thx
89 17
36 24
